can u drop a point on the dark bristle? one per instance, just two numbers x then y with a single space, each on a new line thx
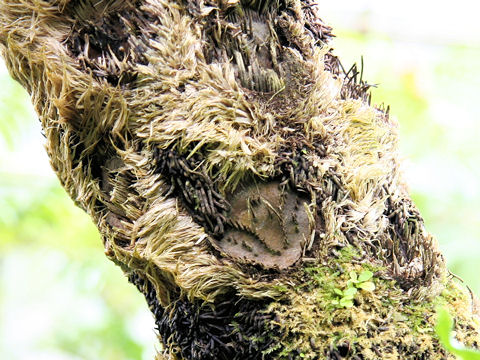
232 328
199 192
101 43
354 86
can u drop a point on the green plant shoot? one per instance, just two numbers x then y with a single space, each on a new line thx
345 297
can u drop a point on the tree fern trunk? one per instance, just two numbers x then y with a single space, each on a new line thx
238 175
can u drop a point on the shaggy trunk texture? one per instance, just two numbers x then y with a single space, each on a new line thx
238 175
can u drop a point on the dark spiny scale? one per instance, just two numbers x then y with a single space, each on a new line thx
332 64
201 197
405 230
103 38
261 5
248 37
200 194
247 43
384 110
208 331
354 87
321 32
292 167
294 170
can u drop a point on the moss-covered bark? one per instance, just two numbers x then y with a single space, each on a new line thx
238 175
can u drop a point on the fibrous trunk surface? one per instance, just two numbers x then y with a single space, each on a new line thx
238 174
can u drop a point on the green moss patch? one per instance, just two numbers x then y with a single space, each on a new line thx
325 318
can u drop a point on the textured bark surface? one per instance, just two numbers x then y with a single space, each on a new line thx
238 175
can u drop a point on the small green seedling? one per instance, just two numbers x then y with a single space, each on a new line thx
444 331
344 298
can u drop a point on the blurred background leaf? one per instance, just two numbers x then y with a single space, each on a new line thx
61 299
14 114
444 330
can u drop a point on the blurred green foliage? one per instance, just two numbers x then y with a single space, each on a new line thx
444 329
14 113
59 296
432 90
61 299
